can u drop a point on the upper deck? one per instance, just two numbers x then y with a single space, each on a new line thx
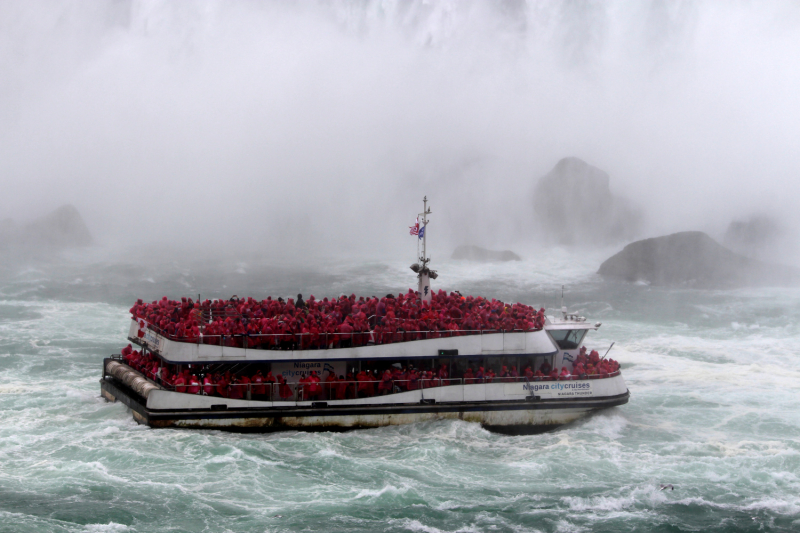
401 326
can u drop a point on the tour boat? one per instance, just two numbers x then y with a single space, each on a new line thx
514 402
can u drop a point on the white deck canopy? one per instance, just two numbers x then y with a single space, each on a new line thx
530 343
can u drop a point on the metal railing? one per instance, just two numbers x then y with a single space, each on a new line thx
324 341
299 391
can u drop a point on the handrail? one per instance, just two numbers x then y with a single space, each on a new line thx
321 390
370 337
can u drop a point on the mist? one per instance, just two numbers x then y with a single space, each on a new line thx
319 126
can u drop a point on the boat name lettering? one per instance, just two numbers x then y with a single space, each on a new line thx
151 338
555 386
308 365
295 370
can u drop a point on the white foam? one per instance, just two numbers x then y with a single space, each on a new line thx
105 528
411 524
386 489
599 503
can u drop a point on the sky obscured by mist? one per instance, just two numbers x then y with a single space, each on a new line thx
320 125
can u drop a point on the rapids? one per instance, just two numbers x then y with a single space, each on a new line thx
714 411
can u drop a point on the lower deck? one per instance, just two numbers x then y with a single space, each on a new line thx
513 408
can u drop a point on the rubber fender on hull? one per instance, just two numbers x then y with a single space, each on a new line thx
130 377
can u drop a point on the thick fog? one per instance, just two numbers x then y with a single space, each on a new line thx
320 125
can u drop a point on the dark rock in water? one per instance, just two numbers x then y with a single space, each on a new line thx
7 230
574 205
63 228
752 237
476 253
694 259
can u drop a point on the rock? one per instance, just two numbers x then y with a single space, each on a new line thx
476 253
63 228
7 230
573 204
693 259
752 237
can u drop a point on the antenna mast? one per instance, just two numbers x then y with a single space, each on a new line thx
424 273
425 212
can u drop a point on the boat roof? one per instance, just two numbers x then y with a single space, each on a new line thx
569 321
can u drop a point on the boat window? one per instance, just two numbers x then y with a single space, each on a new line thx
567 339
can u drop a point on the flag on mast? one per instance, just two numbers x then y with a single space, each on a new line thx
421 232
414 230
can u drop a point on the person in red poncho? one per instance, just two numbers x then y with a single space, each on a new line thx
194 385
314 387
269 382
346 333
208 385
413 379
302 388
372 382
528 372
469 377
330 385
444 375
222 385
180 383
385 386
166 377
236 391
284 390
362 379
346 388
244 384
258 388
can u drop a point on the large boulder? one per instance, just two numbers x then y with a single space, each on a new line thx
752 237
573 204
694 259
7 230
476 253
63 228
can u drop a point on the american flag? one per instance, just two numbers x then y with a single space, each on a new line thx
414 230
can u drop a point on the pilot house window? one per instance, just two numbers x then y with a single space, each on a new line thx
567 339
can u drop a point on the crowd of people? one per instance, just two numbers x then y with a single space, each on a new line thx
331 323
263 385
592 364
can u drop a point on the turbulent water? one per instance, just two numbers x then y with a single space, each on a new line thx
714 381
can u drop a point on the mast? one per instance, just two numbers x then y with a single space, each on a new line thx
425 212
424 274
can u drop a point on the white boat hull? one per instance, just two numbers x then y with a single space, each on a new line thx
504 407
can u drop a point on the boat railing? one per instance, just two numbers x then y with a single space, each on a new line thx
345 390
324 341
